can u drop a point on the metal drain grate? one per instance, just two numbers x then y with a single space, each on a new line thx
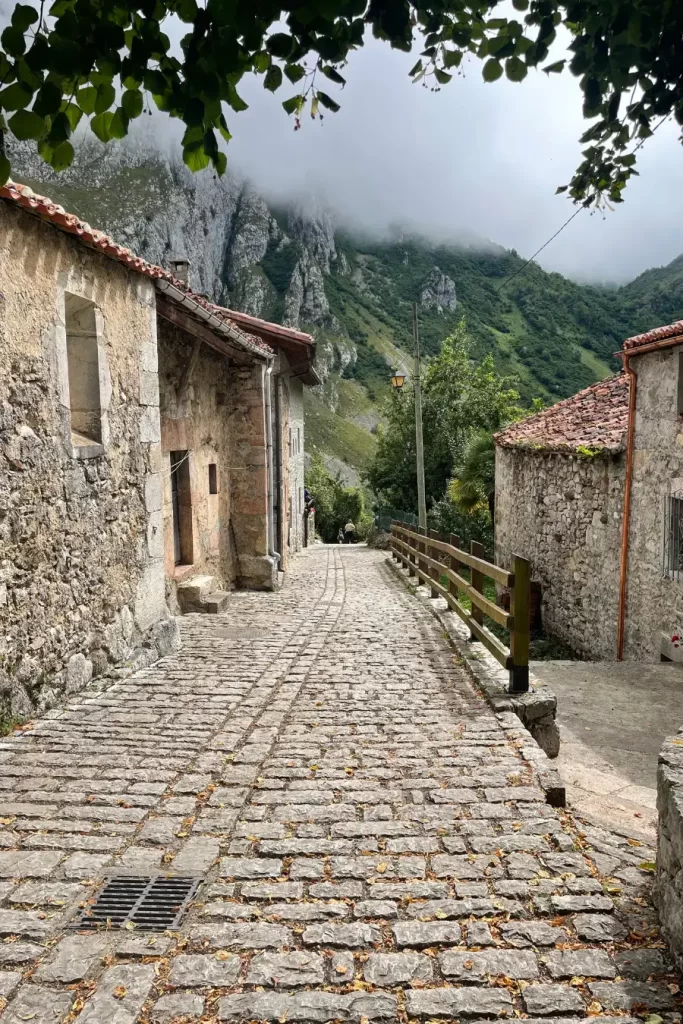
155 904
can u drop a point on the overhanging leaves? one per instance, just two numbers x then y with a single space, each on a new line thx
627 55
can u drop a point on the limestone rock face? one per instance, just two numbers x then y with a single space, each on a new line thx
438 292
306 300
314 228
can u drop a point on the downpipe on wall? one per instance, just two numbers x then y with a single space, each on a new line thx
626 516
269 456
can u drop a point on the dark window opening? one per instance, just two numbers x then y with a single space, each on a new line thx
673 537
213 478
181 493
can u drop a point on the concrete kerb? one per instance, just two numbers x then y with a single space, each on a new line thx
535 711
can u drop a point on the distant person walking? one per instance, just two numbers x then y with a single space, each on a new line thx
349 533
340 536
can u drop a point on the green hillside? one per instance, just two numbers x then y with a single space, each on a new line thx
556 336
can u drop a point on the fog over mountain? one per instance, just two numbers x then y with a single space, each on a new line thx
473 158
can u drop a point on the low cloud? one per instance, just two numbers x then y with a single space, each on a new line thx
472 159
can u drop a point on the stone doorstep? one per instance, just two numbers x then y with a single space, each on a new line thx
533 709
216 603
200 594
194 591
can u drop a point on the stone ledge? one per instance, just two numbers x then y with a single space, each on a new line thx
668 888
535 710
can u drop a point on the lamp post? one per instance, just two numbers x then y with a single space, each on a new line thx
397 382
419 449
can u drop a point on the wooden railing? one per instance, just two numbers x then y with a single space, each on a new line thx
430 556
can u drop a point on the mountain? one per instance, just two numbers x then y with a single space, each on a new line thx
294 265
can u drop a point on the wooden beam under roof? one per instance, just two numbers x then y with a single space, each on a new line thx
175 315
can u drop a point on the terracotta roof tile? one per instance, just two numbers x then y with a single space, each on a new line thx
658 334
276 330
596 418
44 208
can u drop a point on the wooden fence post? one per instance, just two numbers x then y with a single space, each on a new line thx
411 557
394 548
477 581
519 636
421 548
454 566
433 553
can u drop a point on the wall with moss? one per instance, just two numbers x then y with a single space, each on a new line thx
563 513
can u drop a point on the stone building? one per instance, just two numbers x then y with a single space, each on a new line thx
136 457
292 370
591 491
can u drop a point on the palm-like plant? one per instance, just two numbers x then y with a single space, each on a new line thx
474 476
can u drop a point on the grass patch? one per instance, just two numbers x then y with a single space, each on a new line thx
328 433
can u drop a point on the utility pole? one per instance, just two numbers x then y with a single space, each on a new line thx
421 502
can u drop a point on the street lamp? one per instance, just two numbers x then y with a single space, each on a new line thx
397 381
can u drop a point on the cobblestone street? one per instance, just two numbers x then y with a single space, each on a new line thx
372 841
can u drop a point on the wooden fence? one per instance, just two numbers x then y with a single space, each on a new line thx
427 554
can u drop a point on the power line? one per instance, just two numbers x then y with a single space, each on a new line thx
569 219
532 258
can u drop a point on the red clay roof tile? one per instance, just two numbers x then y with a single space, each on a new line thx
658 334
595 418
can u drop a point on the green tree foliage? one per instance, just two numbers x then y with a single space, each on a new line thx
109 62
446 517
459 397
334 503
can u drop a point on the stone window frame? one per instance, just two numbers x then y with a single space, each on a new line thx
679 382
71 284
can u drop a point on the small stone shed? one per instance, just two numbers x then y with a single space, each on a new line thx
591 491
137 453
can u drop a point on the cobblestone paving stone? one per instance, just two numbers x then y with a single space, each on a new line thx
373 841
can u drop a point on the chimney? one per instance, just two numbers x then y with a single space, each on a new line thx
180 268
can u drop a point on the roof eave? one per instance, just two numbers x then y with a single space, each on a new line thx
597 451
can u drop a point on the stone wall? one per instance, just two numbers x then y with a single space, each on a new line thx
194 419
668 890
81 567
246 419
218 418
654 602
563 513
296 463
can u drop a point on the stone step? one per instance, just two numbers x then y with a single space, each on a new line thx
216 603
193 592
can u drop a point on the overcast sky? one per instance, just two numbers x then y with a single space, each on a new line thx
472 158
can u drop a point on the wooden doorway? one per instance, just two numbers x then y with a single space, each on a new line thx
181 495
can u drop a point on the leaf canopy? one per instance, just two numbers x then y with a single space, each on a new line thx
113 62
